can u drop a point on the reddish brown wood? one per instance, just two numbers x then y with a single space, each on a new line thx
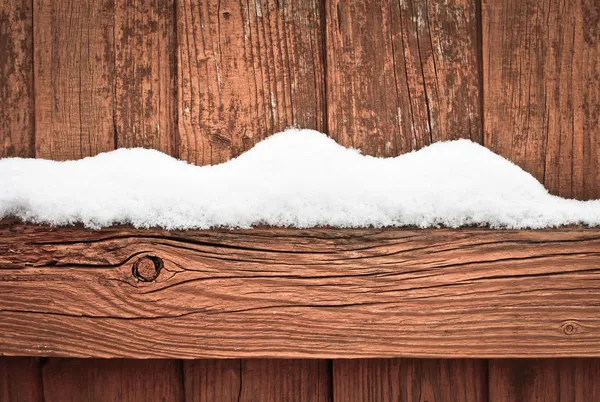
20 379
285 380
112 380
246 70
410 380
402 74
542 90
307 293
548 380
256 380
16 79
212 380
146 74
74 77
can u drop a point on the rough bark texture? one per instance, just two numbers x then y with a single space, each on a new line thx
16 79
300 293
74 77
402 74
542 90
246 70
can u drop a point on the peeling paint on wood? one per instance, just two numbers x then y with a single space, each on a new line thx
246 70
402 74
16 79
542 90
74 78
146 75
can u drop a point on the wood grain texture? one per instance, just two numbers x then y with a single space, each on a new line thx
402 74
76 380
74 78
146 74
256 380
20 379
300 293
410 380
246 70
547 380
284 380
16 79
542 90
212 380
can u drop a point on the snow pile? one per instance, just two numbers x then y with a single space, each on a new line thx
296 178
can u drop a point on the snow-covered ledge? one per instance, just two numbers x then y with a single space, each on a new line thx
322 289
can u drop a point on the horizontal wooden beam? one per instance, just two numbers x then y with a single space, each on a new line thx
320 293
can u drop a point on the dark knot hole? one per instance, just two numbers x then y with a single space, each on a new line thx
147 268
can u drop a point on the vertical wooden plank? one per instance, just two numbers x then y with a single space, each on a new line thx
212 380
16 78
402 74
256 380
112 380
284 380
145 74
410 380
74 74
246 69
548 380
542 90
20 379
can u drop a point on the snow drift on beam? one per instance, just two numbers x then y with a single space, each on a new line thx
296 178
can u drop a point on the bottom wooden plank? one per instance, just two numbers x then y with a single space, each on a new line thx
410 380
102 380
21 379
290 293
544 380
212 380
285 380
256 380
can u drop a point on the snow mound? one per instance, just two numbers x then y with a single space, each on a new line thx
298 178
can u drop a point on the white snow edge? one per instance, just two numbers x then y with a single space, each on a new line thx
297 178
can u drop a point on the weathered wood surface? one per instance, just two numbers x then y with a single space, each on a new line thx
246 70
256 380
410 380
74 77
299 293
542 90
146 75
547 380
16 79
21 379
205 81
284 380
402 74
213 380
75 380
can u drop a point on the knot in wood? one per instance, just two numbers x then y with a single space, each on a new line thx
571 328
147 268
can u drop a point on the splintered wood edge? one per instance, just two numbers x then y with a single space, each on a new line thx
293 293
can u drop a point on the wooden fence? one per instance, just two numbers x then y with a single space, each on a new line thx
205 80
